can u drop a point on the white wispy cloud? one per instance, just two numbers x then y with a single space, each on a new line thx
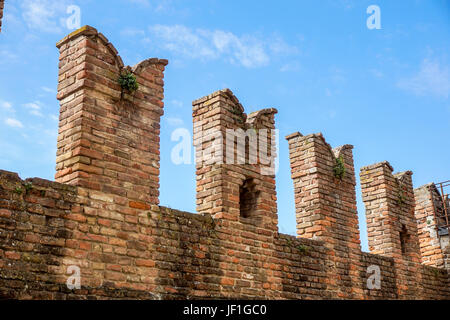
13 123
132 32
337 75
6 105
162 6
32 105
345 4
249 51
51 133
45 15
34 108
36 113
140 2
7 56
432 78
279 46
376 73
49 90
173 121
177 103
156 5
289 67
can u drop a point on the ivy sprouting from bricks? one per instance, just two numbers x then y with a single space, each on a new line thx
128 82
401 198
28 186
339 168
303 249
18 190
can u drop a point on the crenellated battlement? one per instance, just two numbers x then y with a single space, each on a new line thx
234 178
429 212
389 201
108 138
325 201
102 214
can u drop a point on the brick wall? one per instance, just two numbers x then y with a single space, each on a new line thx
392 227
161 253
100 218
435 283
326 207
447 257
388 282
35 217
108 138
428 206
228 177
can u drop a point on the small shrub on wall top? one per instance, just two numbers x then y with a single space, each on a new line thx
339 168
128 82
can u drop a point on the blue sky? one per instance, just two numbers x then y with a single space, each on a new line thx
385 91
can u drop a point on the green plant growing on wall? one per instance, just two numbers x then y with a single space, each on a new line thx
210 222
236 111
436 273
128 82
302 248
401 200
28 186
339 168
18 190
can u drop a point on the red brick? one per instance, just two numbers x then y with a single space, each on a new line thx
139 205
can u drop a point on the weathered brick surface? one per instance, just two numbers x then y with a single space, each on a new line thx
107 222
447 258
161 253
129 252
388 277
326 207
219 183
108 139
434 283
33 233
389 202
429 206
393 228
